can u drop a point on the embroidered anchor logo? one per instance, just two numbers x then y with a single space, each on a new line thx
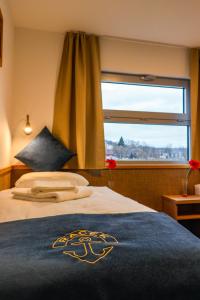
87 246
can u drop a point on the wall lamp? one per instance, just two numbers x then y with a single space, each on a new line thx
28 129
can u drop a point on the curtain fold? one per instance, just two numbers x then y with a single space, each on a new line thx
78 113
195 103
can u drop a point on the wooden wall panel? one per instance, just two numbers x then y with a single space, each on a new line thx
145 185
5 178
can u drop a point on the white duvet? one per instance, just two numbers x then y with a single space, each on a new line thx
102 201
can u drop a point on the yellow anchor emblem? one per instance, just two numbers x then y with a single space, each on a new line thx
87 246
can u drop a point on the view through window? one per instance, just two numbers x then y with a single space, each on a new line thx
146 121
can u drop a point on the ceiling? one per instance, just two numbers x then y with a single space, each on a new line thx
164 21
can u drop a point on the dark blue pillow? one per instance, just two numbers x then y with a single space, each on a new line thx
45 153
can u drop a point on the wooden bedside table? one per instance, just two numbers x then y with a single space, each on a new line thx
186 210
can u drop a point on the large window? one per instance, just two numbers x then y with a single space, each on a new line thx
146 118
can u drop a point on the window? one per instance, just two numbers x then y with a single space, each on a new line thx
146 118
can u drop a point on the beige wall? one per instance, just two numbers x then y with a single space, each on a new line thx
37 57
6 85
126 56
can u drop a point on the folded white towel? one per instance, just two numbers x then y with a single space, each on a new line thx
40 186
59 196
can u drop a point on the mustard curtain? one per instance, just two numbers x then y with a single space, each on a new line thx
195 103
78 114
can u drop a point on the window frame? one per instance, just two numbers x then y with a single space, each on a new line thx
151 118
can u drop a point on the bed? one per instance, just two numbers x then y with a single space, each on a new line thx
102 201
105 246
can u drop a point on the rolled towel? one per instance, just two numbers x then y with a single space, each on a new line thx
40 186
59 196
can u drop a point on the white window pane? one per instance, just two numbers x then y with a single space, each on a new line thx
117 96
146 142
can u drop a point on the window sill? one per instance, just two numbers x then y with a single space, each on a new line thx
152 166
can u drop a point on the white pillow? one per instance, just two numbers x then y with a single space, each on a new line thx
27 180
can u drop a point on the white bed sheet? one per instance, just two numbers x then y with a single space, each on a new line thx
102 201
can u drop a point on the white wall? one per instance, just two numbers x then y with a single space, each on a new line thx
6 72
37 58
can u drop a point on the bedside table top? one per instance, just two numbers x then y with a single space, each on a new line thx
179 199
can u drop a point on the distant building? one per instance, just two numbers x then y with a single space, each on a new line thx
132 150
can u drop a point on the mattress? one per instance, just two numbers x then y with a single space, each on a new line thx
102 201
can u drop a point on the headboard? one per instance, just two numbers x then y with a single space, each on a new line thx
5 178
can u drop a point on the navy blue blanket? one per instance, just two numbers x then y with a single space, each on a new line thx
99 257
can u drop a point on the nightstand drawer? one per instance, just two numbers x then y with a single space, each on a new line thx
188 209
182 208
185 210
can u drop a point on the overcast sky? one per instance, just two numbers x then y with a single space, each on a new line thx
143 98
